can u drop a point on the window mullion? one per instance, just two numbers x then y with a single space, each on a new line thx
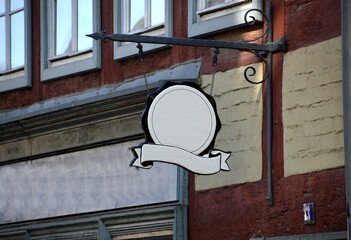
147 12
8 35
201 4
16 11
51 21
126 16
74 26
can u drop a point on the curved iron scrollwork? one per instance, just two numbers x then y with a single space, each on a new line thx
254 21
251 71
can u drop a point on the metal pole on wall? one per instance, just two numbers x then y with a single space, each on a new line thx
269 127
346 80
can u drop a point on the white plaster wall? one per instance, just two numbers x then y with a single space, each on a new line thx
312 108
84 181
239 105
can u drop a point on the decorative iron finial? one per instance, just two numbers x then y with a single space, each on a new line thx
98 35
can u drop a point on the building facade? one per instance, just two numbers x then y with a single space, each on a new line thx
70 111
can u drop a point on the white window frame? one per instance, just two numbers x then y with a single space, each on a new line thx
224 19
52 38
72 63
122 50
20 77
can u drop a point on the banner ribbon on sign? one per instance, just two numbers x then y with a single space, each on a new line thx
210 163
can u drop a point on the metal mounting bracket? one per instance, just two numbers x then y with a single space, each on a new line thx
263 51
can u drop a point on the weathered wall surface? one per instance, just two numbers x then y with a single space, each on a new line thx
312 108
241 211
239 106
74 137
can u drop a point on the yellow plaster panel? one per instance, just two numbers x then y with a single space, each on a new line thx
312 108
239 105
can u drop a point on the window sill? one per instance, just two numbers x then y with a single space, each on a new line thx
13 70
71 58
15 79
70 66
68 55
147 30
129 49
12 74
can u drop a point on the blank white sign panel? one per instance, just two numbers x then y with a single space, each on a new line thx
84 181
181 116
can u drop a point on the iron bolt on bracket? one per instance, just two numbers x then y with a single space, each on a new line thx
263 51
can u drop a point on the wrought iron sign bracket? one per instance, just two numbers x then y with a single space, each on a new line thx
263 51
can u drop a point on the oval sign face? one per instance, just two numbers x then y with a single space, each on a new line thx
181 116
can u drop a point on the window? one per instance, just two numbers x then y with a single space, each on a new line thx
209 16
67 50
148 17
14 44
143 16
70 38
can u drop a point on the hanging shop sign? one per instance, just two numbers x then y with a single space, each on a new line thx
264 52
180 123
